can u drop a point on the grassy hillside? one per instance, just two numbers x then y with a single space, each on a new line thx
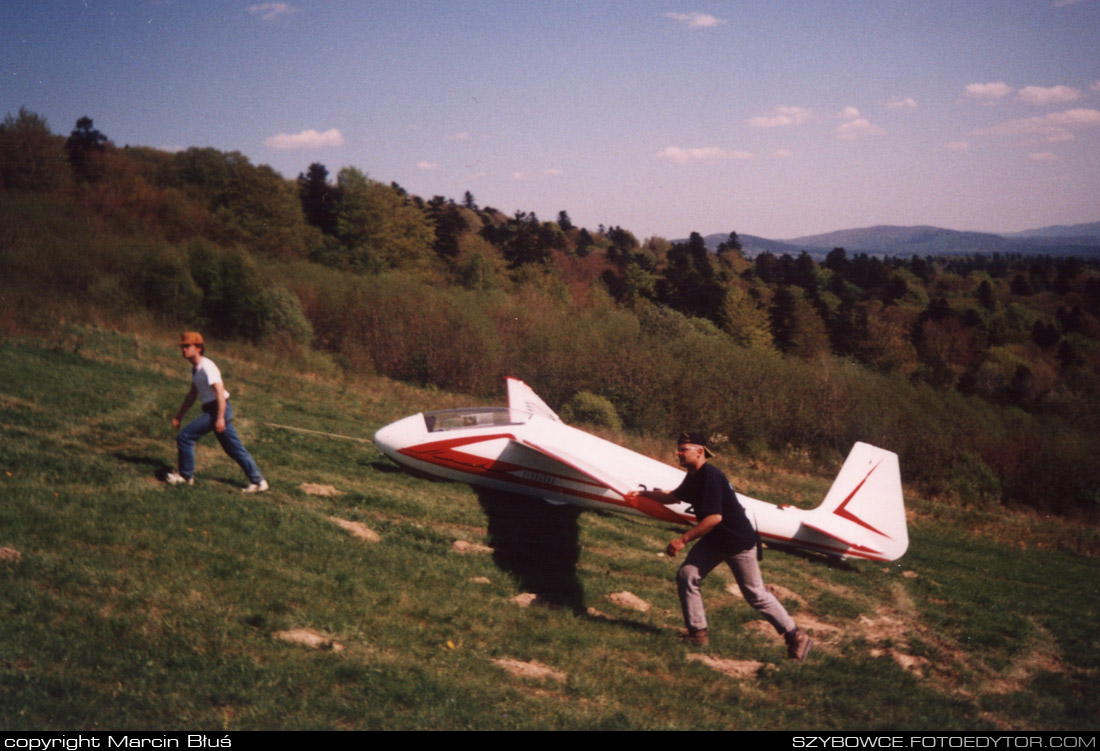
127 603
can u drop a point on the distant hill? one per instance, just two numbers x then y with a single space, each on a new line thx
1089 231
888 240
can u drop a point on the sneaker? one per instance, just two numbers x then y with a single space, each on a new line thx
798 645
254 487
695 636
175 478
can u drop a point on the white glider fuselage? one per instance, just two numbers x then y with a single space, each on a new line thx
526 449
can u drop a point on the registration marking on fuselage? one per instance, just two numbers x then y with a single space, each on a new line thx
538 477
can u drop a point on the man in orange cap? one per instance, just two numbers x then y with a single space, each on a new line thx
217 415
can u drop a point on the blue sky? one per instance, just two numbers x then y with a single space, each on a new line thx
765 117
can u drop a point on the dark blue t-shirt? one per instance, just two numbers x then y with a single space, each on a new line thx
709 492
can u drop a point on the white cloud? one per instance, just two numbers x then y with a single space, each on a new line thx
678 155
519 175
901 103
848 113
1042 156
781 117
783 154
857 128
986 92
1064 3
1053 127
696 20
957 145
1095 86
307 139
463 136
426 165
270 11
1050 95
551 172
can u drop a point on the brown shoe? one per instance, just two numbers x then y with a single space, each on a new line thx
696 636
798 645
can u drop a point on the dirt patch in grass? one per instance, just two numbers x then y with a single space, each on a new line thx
356 529
535 670
1039 655
462 546
10 554
732 668
630 601
310 638
530 599
310 488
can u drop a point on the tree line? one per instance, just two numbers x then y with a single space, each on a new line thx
981 371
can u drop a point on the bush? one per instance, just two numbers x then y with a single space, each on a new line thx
975 483
592 409
165 285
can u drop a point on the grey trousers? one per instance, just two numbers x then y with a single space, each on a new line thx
701 560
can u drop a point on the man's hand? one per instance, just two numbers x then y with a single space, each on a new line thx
219 425
674 547
176 423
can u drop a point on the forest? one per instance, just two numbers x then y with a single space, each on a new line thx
981 372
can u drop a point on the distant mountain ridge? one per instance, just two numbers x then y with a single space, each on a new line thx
890 240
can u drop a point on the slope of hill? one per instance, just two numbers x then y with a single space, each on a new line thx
131 604
892 240
887 240
1089 232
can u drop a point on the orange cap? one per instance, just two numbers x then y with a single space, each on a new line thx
190 337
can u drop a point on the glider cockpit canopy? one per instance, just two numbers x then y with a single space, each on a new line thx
472 417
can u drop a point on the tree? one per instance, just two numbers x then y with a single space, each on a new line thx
258 208
449 224
376 227
985 295
1019 286
745 321
84 142
564 221
796 326
731 244
837 261
690 284
31 158
318 198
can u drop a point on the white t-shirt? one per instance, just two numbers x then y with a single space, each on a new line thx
204 376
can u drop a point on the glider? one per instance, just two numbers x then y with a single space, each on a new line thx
525 448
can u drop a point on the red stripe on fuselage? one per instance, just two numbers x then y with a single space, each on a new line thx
821 548
445 454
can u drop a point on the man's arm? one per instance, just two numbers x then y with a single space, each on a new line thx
705 525
661 496
187 402
219 423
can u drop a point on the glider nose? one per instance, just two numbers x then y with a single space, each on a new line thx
398 435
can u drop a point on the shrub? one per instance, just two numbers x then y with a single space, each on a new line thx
975 483
592 409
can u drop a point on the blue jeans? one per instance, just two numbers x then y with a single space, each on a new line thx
231 443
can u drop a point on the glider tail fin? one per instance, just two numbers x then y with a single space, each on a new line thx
522 398
864 507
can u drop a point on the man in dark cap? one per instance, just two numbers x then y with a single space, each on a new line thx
724 533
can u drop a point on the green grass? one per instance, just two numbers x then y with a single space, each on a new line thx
142 606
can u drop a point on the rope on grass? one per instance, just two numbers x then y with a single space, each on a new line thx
317 432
